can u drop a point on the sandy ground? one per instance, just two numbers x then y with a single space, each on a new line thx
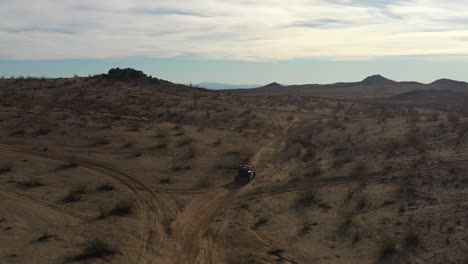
149 173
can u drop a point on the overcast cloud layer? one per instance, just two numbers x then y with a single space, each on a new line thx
232 29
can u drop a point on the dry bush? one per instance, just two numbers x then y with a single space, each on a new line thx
96 248
344 229
160 134
102 141
122 208
167 225
306 200
308 154
18 132
453 117
393 146
433 117
184 141
127 145
5 167
74 195
71 163
180 166
217 142
41 132
360 170
387 252
204 181
411 241
166 180
105 187
463 130
29 184
341 161
43 238
414 139
313 170
260 222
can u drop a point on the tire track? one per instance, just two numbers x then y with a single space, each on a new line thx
149 206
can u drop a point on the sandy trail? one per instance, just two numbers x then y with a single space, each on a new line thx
193 227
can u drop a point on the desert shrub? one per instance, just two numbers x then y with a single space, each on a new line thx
101 141
5 167
105 187
362 204
122 208
275 252
74 195
184 141
102 213
360 170
453 117
314 170
29 184
336 124
414 139
41 132
260 222
188 153
127 145
306 199
179 166
339 149
343 229
393 146
166 180
308 154
68 165
96 248
43 238
387 252
204 181
19 132
434 116
362 130
463 129
411 241
160 134
167 225
340 161
217 142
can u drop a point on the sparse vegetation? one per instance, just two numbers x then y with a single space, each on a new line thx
387 252
105 187
5 167
68 165
122 208
367 180
29 184
260 222
96 248
75 194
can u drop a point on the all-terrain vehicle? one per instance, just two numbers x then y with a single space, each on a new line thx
245 173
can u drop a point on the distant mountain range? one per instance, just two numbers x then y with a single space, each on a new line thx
375 86
224 86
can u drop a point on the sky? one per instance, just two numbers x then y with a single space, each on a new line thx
237 41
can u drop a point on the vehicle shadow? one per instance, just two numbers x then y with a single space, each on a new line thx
235 185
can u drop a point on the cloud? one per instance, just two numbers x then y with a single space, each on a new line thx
231 29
